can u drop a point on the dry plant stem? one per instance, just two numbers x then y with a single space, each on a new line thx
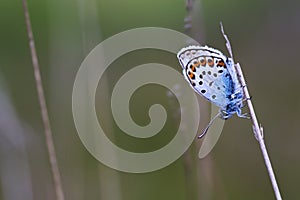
188 17
259 135
43 107
256 128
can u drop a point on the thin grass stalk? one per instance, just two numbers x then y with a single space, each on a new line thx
257 129
43 106
108 179
203 174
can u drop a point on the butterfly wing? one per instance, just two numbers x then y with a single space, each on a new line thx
238 90
206 70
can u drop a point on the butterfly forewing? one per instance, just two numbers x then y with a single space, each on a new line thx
206 71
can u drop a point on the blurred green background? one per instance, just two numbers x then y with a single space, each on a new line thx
265 39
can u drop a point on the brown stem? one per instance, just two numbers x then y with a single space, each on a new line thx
43 107
257 129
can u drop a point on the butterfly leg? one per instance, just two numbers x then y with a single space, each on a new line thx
243 115
246 99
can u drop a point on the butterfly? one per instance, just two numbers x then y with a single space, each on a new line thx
213 75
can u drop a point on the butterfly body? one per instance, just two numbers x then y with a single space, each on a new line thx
211 74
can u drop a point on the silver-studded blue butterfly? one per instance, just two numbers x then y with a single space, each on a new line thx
212 75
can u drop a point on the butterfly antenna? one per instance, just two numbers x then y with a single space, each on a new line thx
209 124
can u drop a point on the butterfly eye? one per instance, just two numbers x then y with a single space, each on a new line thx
202 61
210 62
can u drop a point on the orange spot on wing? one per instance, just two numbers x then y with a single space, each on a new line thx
210 62
202 61
221 63
196 64
191 75
193 68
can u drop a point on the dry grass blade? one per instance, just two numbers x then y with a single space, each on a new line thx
257 129
43 107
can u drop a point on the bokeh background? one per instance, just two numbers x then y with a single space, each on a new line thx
265 39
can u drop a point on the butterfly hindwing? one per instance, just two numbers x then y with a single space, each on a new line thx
208 75
212 75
